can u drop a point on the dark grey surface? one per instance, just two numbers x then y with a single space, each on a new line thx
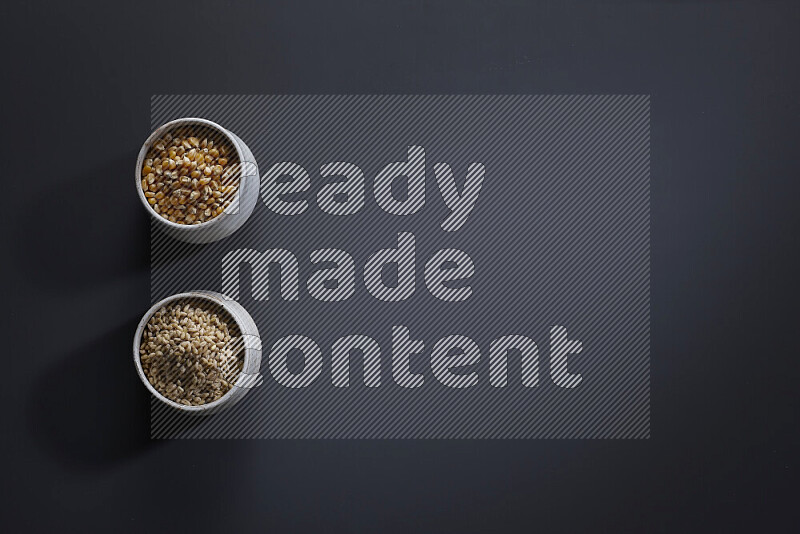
723 79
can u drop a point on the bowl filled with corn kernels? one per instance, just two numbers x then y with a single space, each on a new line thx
197 180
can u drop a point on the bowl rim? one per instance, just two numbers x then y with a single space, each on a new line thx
156 134
137 340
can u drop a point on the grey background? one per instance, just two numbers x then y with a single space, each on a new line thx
559 236
77 79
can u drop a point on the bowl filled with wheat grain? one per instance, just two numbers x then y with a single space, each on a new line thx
198 352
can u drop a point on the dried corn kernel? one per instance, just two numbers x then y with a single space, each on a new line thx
181 176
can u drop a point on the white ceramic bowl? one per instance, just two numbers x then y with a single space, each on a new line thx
247 379
240 208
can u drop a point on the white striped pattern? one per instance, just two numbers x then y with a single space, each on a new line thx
573 174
